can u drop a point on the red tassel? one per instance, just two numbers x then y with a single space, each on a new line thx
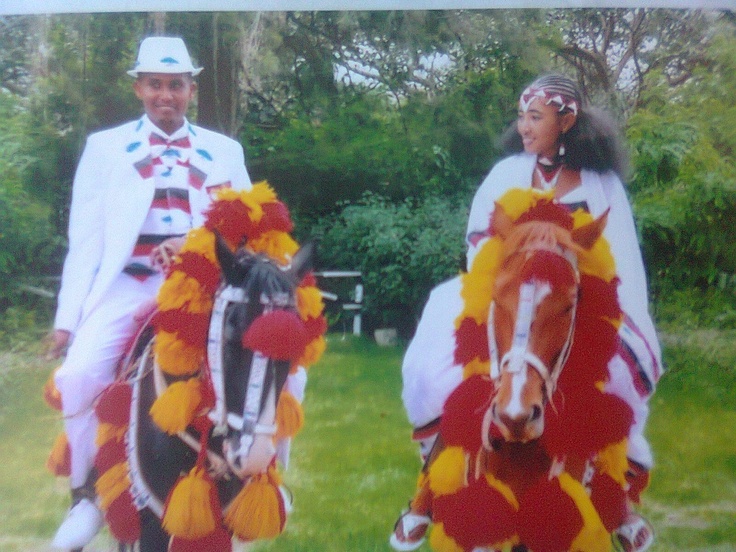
463 413
476 516
472 342
114 404
111 453
190 327
123 519
546 211
217 541
315 327
549 520
275 217
309 280
550 267
609 499
599 298
201 269
279 335
231 219
584 425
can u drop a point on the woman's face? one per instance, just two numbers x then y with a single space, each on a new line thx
541 126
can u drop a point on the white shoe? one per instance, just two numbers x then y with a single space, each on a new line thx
409 531
82 523
635 535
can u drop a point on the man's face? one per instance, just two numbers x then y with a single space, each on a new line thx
165 98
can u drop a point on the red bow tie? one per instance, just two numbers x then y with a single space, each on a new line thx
156 140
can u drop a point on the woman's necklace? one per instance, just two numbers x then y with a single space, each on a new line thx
548 172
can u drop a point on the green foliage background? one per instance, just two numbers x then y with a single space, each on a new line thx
376 127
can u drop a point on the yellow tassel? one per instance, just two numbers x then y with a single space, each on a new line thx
289 416
448 472
189 513
255 513
58 461
201 242
613 461
593 537
182 292
176 357
517 201
107 432
313 352
441 541
176 407
476 368
477 285
111 484
504 489
278 245
261 193
309 302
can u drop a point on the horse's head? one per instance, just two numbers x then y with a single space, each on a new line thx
532 318
257 295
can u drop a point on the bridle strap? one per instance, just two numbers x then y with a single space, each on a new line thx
519 355
224 297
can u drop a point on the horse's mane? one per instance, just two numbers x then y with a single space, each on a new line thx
544 236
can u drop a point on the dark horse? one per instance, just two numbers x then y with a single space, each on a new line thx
244 386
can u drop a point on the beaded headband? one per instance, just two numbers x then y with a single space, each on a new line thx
547 97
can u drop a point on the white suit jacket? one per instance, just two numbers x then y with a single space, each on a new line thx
111 197
601 191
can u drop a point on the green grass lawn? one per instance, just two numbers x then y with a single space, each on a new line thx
353 466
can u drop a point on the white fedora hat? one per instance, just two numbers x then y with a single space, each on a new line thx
163 54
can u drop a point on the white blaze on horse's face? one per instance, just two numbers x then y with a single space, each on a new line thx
515 363
533 312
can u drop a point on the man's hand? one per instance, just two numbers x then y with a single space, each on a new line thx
163 255
56 343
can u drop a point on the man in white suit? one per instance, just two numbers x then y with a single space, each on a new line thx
138 189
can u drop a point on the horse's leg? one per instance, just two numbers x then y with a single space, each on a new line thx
153 537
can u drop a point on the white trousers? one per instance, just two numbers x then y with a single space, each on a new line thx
430 373
90 365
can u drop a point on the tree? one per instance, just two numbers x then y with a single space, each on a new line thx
613 50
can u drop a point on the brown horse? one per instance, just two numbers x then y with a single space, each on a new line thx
532 318
530 446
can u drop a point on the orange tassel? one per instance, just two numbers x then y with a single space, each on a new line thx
448 472
107 432
111 484
189 511
441 541
313 352
289 416
59 460
51 394
258 511
175 409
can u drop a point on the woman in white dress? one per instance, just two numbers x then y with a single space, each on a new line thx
557 143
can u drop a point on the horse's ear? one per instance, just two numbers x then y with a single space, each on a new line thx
303 260
587 235
501 222
226 258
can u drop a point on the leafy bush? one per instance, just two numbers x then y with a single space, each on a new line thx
403 250
26 234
